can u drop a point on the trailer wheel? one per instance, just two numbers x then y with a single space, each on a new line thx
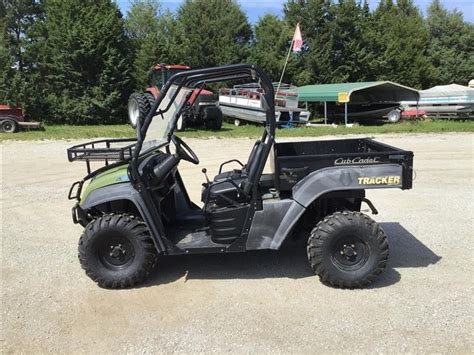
213 118
347 249
394 116
116 251
9 126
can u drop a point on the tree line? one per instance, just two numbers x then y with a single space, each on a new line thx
77 61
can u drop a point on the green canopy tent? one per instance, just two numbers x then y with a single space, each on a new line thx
357 93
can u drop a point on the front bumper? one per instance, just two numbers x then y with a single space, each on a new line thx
79 215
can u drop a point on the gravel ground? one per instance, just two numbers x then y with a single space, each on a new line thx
253 302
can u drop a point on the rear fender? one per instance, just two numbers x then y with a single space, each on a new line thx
125 191
339 178
266 234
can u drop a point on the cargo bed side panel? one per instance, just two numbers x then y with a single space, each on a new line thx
347 178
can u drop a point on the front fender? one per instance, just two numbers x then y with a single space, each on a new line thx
125 191
115 192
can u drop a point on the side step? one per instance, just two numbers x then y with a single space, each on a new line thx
195 242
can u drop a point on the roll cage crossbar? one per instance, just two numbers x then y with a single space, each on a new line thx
200 77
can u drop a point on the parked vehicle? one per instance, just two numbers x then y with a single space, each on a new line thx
244 103
202 109
445 101
366 112
12 119
136 208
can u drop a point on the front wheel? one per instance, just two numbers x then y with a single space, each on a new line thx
116 251
347 249
181 124
138 108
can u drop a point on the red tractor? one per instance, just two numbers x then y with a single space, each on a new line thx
203 109
13 118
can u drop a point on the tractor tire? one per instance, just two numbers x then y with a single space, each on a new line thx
150 98
116 251
9 126
138 108
213 118
347 250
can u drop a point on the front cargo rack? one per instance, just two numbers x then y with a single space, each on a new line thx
108 150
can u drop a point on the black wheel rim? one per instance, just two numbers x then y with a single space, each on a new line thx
116 253
7 126
350 253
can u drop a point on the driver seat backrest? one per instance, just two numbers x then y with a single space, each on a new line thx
253 167
244 170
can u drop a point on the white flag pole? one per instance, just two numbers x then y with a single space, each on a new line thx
284 67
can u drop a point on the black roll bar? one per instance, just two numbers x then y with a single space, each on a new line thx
195 77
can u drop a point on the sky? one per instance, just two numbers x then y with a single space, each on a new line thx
256 8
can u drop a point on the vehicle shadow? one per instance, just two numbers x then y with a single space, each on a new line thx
406 251
290 261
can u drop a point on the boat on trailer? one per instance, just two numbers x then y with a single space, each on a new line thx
445 101
245 103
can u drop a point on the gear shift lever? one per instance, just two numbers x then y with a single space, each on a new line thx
204 171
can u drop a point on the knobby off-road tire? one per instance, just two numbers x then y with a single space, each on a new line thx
348 250
138 107
116 251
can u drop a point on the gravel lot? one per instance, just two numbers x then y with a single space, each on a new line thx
254 302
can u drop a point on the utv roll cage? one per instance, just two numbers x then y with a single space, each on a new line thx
199 78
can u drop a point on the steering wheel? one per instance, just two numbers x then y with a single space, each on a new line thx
183 151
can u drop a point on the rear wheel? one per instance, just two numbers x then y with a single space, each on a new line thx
116 251
9 126
213 118
150 98
138 107
347 249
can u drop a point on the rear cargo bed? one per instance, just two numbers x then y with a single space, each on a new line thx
295 160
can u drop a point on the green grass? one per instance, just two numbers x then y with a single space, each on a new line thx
249 130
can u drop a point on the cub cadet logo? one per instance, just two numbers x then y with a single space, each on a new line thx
379 180
356 161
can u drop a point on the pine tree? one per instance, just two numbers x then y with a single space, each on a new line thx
451 48
315 59
270 46
213 32
402 39
350 59
18 72
153 37
85 62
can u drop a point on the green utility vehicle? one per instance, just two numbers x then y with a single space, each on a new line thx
135 209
